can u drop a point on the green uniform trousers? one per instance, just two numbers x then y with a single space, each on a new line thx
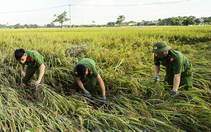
29 74
92 84
186 80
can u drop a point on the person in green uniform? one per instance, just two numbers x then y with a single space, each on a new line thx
34 62
178 67
86 68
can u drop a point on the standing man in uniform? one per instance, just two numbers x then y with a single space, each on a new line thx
87 68
34 62
178 67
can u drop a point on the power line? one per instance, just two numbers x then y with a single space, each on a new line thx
131 5
115 16
139 15
175 13
168 2
36 9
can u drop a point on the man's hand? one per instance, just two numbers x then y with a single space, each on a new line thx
23 74
156 78
87 93
174 93
22 86
104 98
37 82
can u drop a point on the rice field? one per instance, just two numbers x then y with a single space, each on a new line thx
125 62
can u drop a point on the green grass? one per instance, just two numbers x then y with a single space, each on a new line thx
125 62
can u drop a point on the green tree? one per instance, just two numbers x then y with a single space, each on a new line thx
93 23
193 17
139 24
50 25
26 26
197 21
1 26
175 21
188 21
120 19
167 21
160 22
125 23
185 17
146 23
181 19
34 26
111 23
61 18
17 26
207 19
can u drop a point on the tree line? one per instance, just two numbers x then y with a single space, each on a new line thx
172 21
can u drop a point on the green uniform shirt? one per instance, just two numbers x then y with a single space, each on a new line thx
34 59
175 63
90 64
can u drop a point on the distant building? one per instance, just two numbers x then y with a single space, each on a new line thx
154 22
201 19
132 24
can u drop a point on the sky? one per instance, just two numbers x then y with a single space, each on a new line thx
84 12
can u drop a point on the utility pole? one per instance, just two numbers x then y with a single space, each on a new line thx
70 14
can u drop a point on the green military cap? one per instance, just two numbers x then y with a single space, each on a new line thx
160 46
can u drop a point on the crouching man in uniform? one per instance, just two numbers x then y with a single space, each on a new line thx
178 67
86 68
34 62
